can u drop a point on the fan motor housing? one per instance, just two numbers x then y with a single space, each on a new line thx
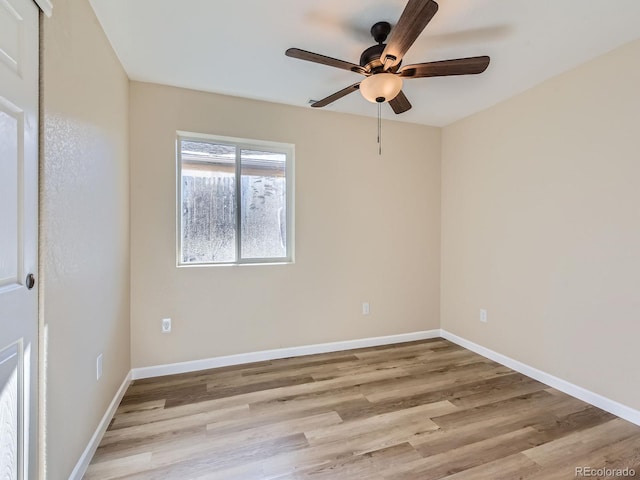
370 58
372 55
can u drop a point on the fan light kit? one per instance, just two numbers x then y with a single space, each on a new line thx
381 87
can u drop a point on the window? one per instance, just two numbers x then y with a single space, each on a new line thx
235 201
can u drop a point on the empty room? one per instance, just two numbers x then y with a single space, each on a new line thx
374 239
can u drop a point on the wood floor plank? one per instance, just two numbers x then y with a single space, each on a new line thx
329 453
200 460
447 439
621 454
245 471
115 435
364 466
468 456
300 364
422 410
513 467
145 443
140 407
118 467
436 380
211 392
336 371
393 351
479 392
338 401
516 405
582 442
354 428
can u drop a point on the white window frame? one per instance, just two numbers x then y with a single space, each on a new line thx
241 144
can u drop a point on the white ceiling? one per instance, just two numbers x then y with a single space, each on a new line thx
237 47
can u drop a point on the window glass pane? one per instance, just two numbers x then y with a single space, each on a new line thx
208 202
264 204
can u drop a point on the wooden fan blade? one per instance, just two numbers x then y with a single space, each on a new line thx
336 96
416 15
324 60
401 103
459 66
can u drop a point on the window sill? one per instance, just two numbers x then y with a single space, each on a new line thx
246 264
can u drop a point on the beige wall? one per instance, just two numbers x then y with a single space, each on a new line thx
367 228
541 226
84 229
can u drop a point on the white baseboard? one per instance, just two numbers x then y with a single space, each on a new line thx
241 358
87 455
576 391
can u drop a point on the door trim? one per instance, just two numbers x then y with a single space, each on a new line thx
46 6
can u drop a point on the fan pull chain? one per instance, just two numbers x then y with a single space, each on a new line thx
379 128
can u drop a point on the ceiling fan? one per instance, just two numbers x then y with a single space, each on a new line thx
381 63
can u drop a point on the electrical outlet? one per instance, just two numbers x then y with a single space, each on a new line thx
365 308
166 325
483 315
98 367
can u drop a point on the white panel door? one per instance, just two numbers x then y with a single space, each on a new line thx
18 238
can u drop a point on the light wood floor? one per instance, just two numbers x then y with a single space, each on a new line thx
420 410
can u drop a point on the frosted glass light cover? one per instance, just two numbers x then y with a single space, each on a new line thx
381 85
